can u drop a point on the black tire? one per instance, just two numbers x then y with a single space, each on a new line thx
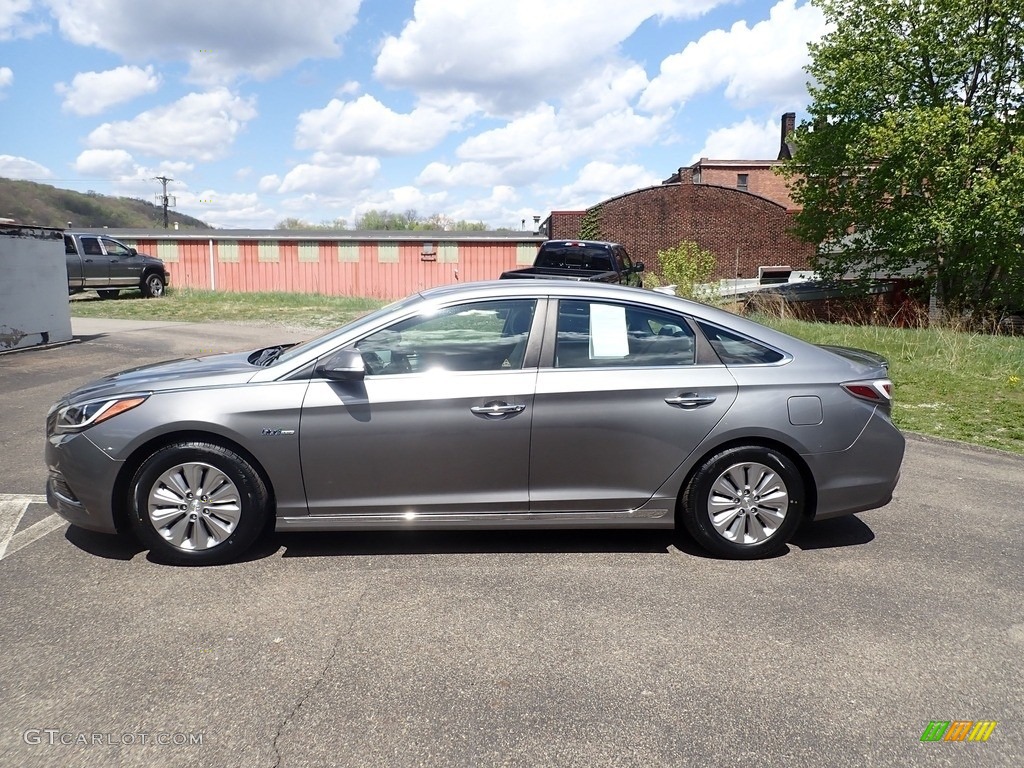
108 293
153 285
217 523
756 521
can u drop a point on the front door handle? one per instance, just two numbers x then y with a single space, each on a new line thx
497 409
690 400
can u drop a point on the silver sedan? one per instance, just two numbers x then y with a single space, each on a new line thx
549 404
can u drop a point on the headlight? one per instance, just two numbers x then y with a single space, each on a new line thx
75 418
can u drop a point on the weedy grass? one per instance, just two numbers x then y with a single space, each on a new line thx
194 306
947 382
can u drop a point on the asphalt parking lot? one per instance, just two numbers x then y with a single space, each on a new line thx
504 649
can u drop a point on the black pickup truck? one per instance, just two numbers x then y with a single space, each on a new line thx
101 263
585 260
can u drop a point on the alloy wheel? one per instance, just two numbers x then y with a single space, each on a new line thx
194 506
748 503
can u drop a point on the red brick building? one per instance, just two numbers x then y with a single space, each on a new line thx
740 210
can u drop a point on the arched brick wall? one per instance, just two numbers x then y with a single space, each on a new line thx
726 221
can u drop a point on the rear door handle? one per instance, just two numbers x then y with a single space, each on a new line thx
497 409
690 400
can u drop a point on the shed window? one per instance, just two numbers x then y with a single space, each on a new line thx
741 181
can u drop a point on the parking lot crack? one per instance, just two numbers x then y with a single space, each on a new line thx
320 678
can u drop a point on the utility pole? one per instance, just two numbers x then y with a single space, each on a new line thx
164 199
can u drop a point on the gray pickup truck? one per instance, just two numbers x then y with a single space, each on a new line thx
584 260
105 265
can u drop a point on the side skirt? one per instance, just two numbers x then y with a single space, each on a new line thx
639 518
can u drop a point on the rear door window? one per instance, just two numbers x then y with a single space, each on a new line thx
91 246
594 334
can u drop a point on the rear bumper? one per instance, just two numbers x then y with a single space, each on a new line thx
863 476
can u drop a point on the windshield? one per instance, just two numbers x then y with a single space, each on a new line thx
369 319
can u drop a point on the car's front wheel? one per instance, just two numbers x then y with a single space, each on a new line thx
744 502
198 503
153 286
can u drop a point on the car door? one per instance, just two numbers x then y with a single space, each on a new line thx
440 424
125 268
626 400
95 263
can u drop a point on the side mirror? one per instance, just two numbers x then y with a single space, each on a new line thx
133 252
638 266
343 365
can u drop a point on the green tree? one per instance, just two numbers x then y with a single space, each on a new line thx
293 223
469 226
687 266
911 158
374 219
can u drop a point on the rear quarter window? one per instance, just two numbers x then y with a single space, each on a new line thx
734 349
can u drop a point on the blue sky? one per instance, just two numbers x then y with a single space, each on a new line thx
489 110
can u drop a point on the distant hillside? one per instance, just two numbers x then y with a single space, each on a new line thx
46 206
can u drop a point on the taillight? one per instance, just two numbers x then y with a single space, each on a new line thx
876 390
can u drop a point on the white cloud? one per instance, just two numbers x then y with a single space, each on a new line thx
227 210
404 198
366 126
742 141
461 175
219 40
14 167
269 183
345 175
13 21
762 64
93 92
544 140
200 126
502 207
104 163
126 177
598 181
511 53
6 79
612 89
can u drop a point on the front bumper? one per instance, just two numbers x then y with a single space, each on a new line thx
81 482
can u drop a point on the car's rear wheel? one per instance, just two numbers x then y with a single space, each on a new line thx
198 503
108 293
153 286
744 502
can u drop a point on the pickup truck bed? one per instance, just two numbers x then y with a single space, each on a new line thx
589 261
562 274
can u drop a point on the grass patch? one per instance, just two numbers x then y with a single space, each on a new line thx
948 383
191 306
